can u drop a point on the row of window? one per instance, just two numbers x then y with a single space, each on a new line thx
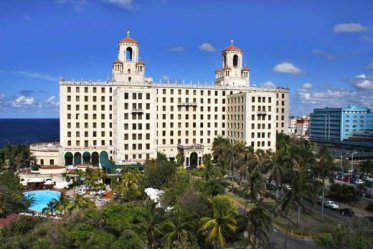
86 107
86 116
86 89
86 143
86 98
137 147
186 141
86 125
86 134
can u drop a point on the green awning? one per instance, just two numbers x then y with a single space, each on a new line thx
107 164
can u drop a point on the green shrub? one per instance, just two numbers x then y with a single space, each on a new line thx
369 208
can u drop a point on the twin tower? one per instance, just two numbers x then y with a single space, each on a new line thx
128 68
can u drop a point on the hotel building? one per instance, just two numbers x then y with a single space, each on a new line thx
128 119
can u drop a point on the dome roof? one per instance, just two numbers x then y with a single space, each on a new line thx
218 70
118 62
140 62
232 48
245 68
226 68
128 39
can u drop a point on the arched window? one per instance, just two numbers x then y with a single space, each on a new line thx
129 79
235 60
129 70
225 60
129 54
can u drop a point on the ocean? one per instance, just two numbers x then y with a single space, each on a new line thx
27 131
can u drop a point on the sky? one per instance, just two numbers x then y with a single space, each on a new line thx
321 49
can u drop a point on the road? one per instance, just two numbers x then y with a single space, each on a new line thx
277 240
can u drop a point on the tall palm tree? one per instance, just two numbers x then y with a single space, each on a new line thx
153 218
253 187
176 229
258 225
278 168
324 167
222 222
301 190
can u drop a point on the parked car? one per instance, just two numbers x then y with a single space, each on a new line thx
347 212
331 205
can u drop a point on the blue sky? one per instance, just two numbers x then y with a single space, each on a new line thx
322 50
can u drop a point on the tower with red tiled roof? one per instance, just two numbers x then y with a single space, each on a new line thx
128 67
233 73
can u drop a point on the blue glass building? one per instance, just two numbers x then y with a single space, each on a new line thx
338 124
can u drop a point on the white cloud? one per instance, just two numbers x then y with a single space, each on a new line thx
322 53
269 84
369 66
32 75
206 46
165 78
177 49
52 101
363 81
349 27
287 67
307 86
125 4
22 101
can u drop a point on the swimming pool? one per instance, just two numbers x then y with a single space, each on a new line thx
42 198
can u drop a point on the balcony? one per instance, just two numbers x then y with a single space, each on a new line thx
261 112
191 147
137 111
187 104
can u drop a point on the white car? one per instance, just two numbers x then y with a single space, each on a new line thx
331 204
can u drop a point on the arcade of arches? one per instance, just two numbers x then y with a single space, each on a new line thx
79 158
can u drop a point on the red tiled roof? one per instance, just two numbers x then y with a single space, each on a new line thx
128 40
232 48
226 68
218 70
140 62
245 69
118 62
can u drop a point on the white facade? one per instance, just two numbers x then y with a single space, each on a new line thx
131 118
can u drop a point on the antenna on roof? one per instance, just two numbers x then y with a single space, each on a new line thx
231 42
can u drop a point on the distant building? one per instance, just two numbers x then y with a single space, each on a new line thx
299 125
339 124
292 124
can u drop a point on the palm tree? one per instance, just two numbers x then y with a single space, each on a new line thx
301 190
180 157
176 229
51 207
366 167
247 162
79 202
153 217
222 222
253 188
324 166
278 168
258 225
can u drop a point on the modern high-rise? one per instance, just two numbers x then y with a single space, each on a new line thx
338 124
130 118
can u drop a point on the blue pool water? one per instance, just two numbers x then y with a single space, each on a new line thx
42 198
